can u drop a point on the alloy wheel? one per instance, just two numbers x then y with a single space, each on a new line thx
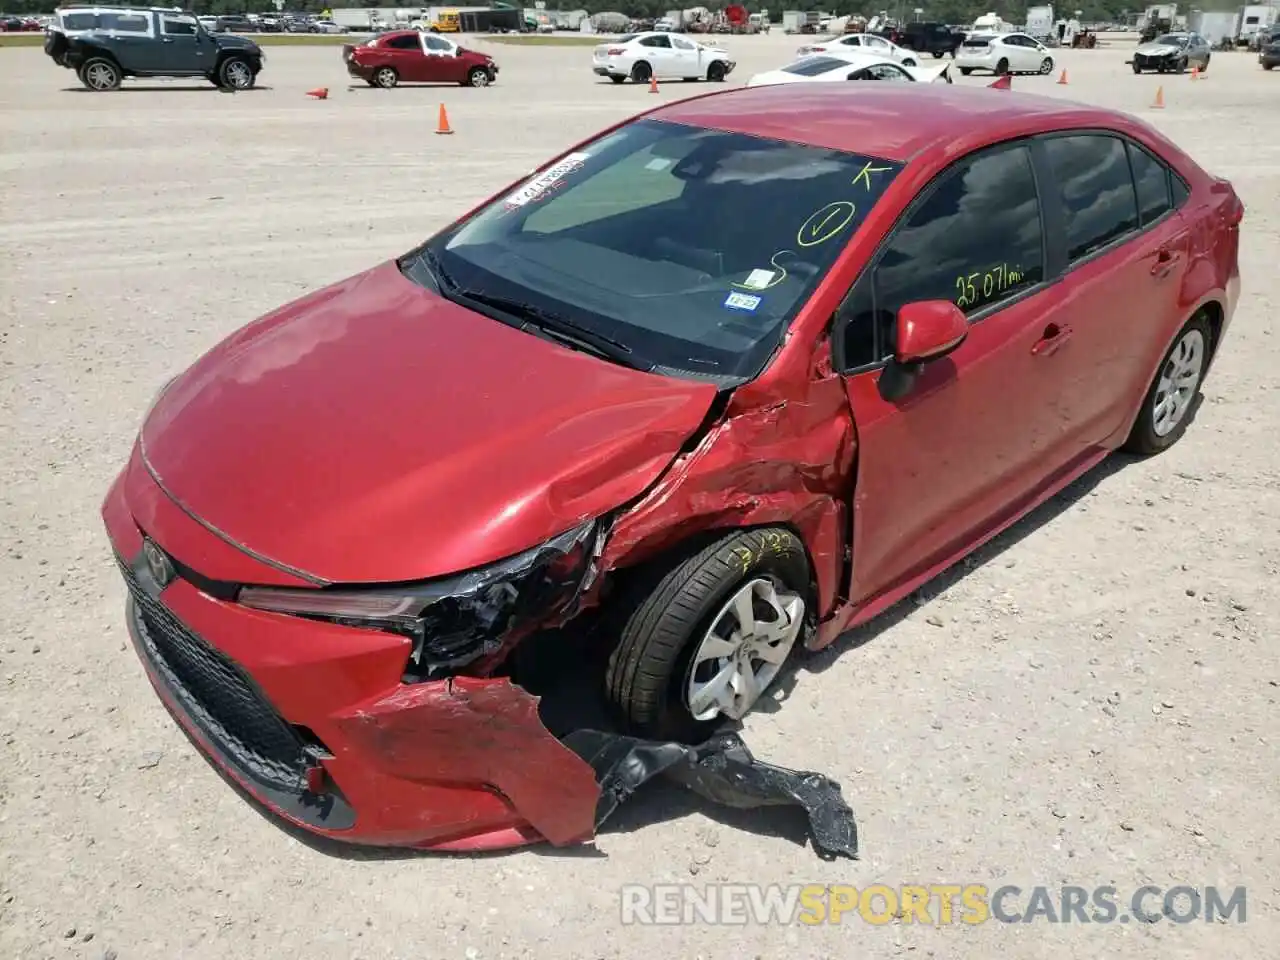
238 75
1179 381
100 76
749 640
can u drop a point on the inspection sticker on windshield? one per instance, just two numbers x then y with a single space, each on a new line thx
741 301
758 280
546 181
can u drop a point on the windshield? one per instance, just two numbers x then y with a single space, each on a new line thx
689 249
812 66
1170 40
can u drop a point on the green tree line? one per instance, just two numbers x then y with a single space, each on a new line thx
947 11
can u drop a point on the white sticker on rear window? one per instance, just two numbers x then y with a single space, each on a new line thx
741 301
546 181
758 280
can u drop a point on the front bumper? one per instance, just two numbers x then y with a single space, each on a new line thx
312 720
1163 62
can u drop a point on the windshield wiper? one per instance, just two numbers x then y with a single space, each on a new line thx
558 327
442 278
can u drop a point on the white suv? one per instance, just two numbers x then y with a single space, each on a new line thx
1003 53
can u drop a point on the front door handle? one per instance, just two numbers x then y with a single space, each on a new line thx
166 40
1051 340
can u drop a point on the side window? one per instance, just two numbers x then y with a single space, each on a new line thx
79 21
887 71
125 22
854 41
1180 191
435 43
1151 180
403 43
975 240
1092 172
683 44
178 26
661 41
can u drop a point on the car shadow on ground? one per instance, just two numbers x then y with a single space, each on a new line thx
184 88
566 678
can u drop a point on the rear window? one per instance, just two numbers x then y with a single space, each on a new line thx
627 37
812 66
978 41
79 21
638 237
124 22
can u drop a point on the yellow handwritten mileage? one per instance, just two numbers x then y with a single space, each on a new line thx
983 285
825 222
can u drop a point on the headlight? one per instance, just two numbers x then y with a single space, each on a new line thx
455 620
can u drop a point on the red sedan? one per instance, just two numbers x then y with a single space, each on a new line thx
414 56
597 390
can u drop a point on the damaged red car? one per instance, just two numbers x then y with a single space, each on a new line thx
723 381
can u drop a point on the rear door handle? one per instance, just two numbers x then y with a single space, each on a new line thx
1054 336
1166 260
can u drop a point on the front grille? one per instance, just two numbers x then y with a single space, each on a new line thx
218 696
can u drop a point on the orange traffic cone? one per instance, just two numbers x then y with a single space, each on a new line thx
1195 73
442 125
1002 83
653 84
1159 103
1062 78
320 93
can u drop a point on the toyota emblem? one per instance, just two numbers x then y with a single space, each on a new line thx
159 565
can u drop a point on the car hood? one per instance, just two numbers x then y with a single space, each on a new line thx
1157 49
232 41
373 431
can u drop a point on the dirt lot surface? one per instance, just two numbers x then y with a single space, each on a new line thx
1093 700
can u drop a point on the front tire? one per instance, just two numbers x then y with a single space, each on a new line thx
236 74
701 644
716 72
617 79
1002 67
386 77
1170 400
965 71
1136 68
100 75
477 77
909 62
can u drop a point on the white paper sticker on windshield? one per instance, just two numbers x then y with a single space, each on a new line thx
546 181
741 301
758 280
658 163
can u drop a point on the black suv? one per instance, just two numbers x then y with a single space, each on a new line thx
934 38
103 45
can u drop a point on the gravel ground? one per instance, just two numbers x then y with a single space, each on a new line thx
1092 700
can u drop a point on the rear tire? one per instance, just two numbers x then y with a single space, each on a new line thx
617 79
1046 66
937 54
386 77
1136 68
668 620
909 62
1176 384
965 71
100 75
641 72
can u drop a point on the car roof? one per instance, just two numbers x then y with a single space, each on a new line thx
891 121
842 60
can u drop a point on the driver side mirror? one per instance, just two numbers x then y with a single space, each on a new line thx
927 330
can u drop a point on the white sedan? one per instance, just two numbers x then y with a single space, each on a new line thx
328 26
654 54
826 67
1003 53
861 43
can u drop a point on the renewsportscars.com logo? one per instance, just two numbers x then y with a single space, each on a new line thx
933 904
